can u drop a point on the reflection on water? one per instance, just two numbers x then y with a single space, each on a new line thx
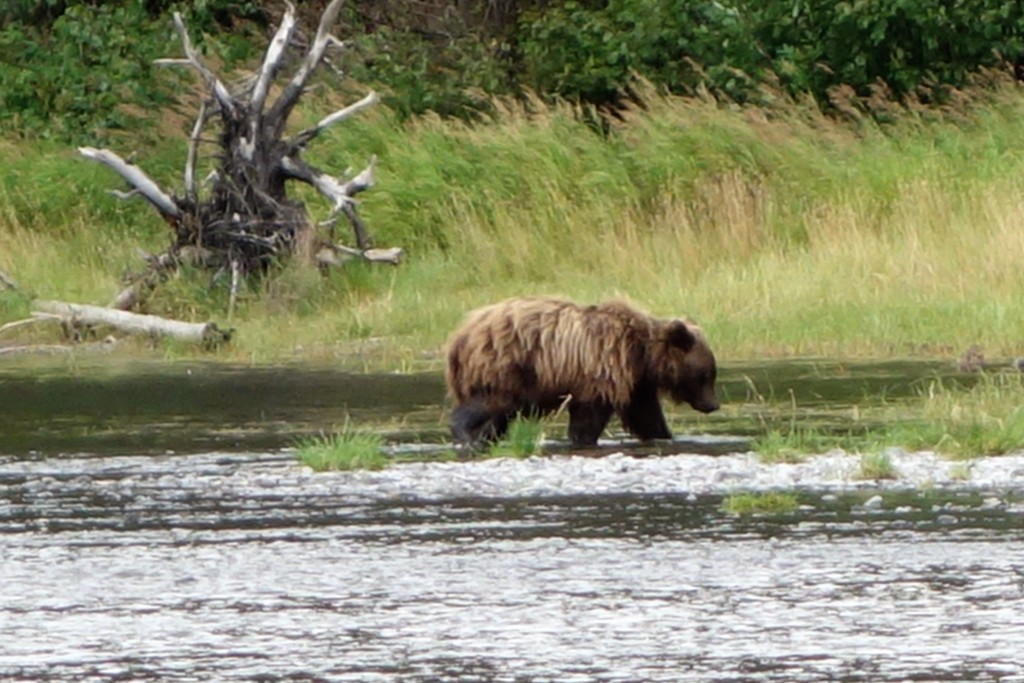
245 567
195 407
186 407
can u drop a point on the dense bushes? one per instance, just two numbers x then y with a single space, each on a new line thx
581 49
81 69
67 67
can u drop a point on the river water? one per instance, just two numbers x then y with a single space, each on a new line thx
163 545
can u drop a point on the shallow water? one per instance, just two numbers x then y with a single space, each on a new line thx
195 407
246 567
190 407
178 542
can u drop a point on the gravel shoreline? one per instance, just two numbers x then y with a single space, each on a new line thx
276 474
683 473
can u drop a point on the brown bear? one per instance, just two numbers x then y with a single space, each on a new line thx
532 355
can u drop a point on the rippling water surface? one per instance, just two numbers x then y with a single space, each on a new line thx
129 563
245 567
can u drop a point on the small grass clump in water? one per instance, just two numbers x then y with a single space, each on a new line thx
961 472
791 445
348 449
876 466
522 440
772 503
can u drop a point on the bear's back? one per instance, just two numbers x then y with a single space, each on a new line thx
537 348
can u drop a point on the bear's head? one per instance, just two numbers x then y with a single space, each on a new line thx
683 365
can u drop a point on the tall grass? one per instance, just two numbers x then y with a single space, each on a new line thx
782 233
987 418
983 416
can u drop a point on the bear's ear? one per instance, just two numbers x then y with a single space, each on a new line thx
679 334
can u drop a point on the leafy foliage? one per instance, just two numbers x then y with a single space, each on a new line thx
588 50
73 78
817 44
415 75
576 51
69 67
78 70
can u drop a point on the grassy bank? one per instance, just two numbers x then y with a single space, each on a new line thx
783 234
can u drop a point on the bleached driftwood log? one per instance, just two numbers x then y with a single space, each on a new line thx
207 334
245 220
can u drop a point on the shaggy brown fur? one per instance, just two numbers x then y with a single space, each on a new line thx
528 355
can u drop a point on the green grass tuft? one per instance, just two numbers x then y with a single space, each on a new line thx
771 503
791 445
350 448
876 466
522 440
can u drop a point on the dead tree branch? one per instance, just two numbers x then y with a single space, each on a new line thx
220 91
137 178
244 219
272 60
290 96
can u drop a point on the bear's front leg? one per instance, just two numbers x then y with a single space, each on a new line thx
474 424
587 421
643 416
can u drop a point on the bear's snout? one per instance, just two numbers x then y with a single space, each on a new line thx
706 406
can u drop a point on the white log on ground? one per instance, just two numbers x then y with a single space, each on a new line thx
207 334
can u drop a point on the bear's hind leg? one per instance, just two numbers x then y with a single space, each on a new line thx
473 424
644 418
587 421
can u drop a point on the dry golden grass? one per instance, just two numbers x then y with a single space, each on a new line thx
781 233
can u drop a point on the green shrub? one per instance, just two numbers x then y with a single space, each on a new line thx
74 80
88 70
588 50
